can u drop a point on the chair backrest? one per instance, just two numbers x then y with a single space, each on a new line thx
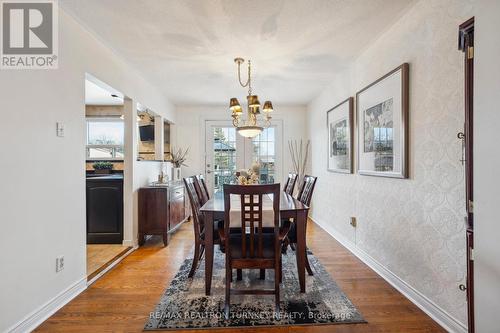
290 183
251 197
306 190
202 188
195 201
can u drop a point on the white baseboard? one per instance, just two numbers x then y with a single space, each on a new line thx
442 317
34 319
113 264
129 242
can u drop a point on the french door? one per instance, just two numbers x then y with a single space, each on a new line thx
227 152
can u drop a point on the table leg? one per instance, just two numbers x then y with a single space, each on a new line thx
209 250
300 251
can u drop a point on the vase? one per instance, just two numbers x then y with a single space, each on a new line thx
176 174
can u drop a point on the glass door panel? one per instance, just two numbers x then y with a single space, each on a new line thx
264 153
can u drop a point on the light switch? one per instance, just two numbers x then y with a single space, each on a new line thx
60 129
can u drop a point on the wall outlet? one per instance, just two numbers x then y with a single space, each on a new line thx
60 129
353 222
59 264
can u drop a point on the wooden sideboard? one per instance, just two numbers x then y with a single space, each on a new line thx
161 210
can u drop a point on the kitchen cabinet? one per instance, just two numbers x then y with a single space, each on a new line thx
104 196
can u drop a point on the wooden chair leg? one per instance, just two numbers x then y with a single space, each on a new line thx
281 270
202 251
284 247
277 279
308 266
239 274
196 258
262 274
229 276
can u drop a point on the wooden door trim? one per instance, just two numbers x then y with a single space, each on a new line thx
466 44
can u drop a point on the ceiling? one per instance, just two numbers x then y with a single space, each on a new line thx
187 47
96 95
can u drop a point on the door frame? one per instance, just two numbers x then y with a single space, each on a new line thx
466 45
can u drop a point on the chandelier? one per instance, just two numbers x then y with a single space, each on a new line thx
252 125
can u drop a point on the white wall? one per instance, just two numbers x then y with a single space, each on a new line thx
486 166
413 228
189 131
42 189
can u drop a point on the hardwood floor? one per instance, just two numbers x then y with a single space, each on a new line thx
122 299
100 256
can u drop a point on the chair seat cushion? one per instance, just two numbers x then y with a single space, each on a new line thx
267 246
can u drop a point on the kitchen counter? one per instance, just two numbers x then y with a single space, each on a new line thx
112 176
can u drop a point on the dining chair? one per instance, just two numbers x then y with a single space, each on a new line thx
290 183
252 247
198 222
202 188
305 195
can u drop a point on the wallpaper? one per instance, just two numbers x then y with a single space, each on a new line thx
414 227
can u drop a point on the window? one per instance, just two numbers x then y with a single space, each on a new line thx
104 139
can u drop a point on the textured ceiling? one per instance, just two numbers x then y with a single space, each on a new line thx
187 47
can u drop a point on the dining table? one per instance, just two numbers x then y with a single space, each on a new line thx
290 208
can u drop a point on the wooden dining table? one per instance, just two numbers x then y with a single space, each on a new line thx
290 208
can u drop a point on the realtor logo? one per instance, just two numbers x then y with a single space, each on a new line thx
29 34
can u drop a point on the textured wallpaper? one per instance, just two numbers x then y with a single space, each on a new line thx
414 227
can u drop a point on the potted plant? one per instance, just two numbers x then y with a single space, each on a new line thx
178 158
102 167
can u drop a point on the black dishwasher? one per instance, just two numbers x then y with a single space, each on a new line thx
105 209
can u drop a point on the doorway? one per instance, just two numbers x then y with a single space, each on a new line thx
104 176
227 152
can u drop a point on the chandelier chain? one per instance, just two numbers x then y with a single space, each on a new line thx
249 78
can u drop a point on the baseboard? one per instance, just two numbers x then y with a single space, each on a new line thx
34 319
439 315
110 266
129 243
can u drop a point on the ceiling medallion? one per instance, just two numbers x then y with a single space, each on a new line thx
252 125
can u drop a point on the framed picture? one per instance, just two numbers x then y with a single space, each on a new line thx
382 125
339 122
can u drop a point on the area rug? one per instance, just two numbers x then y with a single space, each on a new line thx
185 306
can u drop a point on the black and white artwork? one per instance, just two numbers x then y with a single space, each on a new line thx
339 120
382 117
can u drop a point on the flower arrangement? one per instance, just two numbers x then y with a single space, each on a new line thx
299 154
178 157
250 176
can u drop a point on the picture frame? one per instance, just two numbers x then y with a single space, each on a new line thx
382 117
340 137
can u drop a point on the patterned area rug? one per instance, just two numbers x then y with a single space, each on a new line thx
185 306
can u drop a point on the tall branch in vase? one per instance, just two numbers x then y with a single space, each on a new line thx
299 153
